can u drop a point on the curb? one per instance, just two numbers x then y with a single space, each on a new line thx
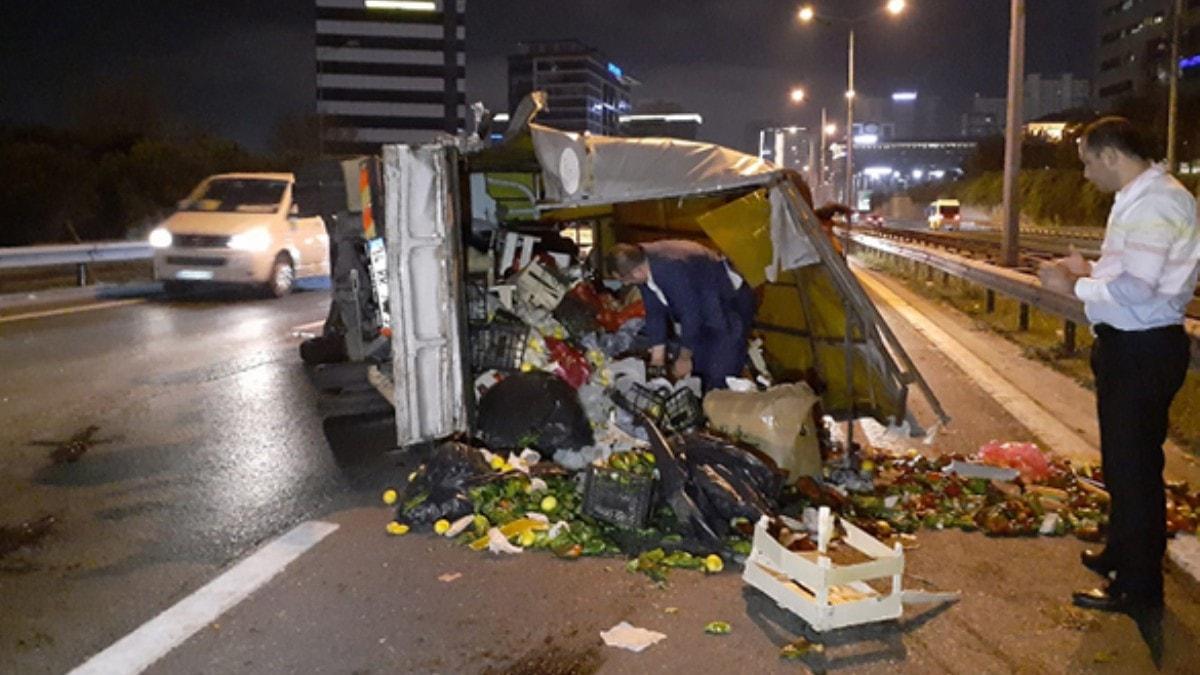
66 296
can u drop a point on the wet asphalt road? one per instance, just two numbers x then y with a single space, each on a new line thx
209 441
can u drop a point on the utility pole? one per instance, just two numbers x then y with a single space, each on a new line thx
1013 135
850 94
1173 96
819 188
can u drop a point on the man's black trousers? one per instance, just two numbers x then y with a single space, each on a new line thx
1137 375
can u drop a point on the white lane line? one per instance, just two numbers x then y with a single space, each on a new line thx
156 638
1058 437
70 310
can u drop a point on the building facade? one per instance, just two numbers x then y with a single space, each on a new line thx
1135 46
584 90
682 125
389 71
1046 96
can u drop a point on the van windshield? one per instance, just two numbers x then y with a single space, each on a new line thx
948 210
244 195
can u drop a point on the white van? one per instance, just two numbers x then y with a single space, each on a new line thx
240 228
944 213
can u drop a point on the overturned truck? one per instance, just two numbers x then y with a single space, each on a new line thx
815 321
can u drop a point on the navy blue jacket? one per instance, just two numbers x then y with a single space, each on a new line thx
700 295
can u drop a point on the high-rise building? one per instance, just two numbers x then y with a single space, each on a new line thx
682 125
389 71
584 90
1047 96
986 117
1135 47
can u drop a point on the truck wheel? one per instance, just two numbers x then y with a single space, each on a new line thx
282 278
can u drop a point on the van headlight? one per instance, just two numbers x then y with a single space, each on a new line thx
257 239
160 237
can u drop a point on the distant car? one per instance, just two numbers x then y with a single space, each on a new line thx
944 213
240 228
874 220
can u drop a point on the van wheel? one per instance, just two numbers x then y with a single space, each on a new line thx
283 276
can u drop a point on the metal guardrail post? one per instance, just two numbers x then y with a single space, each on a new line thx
1023 320
990 301
81 274
1069 337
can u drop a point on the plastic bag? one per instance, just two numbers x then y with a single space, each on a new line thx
1024 457
533 410
778 421
438 489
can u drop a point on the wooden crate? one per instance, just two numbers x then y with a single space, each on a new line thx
823 593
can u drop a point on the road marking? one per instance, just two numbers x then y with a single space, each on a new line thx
70 310
307 330
156 638
1058 437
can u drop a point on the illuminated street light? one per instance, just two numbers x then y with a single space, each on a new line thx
830 129
409 5
797 95
808 14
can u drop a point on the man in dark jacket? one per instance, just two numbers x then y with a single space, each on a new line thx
694 288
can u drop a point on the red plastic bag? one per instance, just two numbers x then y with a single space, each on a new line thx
1024 457
570 364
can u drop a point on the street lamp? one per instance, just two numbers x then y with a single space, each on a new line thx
808 14
797 95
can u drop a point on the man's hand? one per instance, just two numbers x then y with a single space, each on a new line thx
683 366
1057 276
1075 264
658 356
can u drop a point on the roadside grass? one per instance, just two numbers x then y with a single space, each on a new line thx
1043 341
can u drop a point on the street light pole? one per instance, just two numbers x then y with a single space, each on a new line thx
820 185
1013 135
850 94
1173 96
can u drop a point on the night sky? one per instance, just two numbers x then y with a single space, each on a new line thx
234 68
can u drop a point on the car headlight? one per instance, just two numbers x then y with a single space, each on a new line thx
160 237
257 239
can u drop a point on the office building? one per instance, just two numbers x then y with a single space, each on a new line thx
682 125
584 90
389 71
1135 46
1047 96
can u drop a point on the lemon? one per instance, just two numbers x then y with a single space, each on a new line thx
498 462
397 528
390 497
713 564
441 526
527 538
867 466
549 503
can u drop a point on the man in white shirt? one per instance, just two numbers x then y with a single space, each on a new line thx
1135 296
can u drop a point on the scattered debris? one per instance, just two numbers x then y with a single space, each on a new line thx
718 628
25 534
918 597
627 636
449 577
70 450
1106 656
800 648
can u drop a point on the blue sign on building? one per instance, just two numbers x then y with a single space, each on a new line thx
615 70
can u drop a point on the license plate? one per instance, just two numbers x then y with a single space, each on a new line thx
194 275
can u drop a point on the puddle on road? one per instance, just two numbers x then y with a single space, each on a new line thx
29 533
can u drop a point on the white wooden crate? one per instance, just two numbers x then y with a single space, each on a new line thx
825 594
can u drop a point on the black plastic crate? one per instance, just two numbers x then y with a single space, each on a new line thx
673 411
477 304
618 497
498 345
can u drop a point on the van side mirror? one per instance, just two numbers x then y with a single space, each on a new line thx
294 210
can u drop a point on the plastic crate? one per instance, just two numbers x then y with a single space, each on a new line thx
674 411
477 304
618 497
498 345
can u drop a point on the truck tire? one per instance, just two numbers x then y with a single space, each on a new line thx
174 288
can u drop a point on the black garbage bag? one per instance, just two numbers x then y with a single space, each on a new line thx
533 410
438 488
677 491
748 464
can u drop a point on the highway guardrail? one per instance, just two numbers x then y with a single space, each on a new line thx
79 255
